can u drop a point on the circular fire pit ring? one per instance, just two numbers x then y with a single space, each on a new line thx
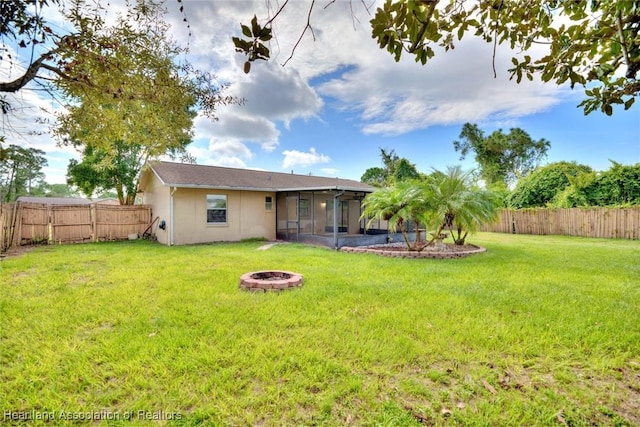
270 280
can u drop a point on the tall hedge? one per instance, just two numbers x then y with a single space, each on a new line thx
619 185
540 187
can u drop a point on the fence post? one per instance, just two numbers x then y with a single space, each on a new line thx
4 219
50 225
94 227
16 225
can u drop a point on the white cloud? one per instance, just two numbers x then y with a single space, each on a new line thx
454 87
298 158
330 171
389 98
276 93
343 69
232 133
230 149
224 154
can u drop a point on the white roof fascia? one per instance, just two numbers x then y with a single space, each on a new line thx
220 187
265 190
335 188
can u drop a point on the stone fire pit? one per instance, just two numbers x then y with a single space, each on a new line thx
271 280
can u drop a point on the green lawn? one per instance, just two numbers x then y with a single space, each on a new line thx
536 331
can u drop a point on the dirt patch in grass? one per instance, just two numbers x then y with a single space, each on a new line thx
625 402
16 251
438 392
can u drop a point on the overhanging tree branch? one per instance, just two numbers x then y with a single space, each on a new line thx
30 74
307 27
423 29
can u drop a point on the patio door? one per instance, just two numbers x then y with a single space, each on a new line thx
343 216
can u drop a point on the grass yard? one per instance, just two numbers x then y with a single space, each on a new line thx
537 331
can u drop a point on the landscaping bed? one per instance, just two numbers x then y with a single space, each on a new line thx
399 250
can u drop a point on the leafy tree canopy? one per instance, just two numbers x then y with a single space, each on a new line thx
457 204
56 190
91 175
71 55
591 43
128 91
400 205
503 158
134 92
375 176
121 119
21 172
540 188
395 169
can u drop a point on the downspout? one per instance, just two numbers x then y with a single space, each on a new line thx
335 218
275 216
171 232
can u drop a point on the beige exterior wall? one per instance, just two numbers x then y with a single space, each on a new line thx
158 197
247 217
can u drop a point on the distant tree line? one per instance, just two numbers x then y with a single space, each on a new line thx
21 174
509 166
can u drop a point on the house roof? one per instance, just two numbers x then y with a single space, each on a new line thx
54 200
201 176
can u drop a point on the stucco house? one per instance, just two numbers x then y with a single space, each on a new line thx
201 204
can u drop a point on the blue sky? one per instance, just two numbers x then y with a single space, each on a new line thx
591 140
340 99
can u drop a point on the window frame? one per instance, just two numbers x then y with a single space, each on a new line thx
304 210
210 208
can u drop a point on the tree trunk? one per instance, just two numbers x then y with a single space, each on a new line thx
434 236
120 194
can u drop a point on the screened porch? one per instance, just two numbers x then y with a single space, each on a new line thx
325 217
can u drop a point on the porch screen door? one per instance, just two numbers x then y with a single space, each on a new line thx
293 217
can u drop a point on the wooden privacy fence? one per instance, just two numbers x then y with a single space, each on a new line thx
615 223
7 213
28 223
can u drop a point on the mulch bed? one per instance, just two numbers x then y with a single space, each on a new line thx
399 250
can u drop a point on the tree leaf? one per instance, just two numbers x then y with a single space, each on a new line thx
629 103
255 27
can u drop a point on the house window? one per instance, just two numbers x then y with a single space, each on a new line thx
268 203
216 208
304 208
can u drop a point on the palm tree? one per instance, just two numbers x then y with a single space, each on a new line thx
398 205
445 200
458 205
